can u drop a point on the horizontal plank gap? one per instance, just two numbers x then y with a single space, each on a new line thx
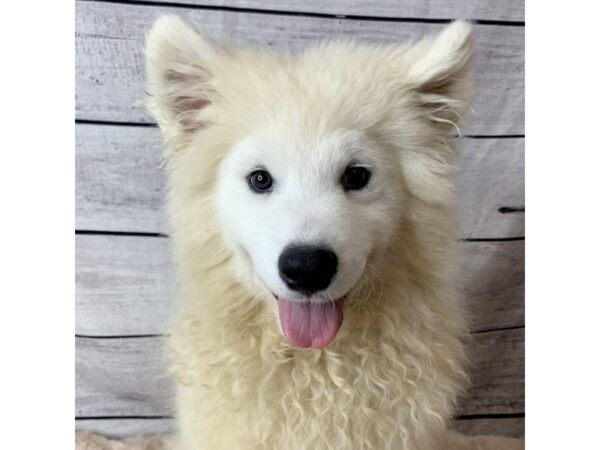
505 239
123 336
162 235
511 209
154 125
491 416
160 335
112 123
121 233
123 417
467 417
507 23
492 136
491 330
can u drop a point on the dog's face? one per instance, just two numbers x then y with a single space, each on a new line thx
307 214
296 206
317 154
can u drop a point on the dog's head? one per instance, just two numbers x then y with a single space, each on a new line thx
311 158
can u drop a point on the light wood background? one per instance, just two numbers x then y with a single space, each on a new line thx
124 276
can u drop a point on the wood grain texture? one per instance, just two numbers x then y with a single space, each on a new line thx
497 373
491 278
125 284
428 9
509 427
123 427
110 41
491 175
119 183
122 377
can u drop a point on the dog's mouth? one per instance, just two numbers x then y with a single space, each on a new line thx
310 324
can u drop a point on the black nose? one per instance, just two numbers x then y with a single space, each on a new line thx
306 268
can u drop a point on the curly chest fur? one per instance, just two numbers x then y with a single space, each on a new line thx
372 389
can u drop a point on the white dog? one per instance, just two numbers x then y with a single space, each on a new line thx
312 216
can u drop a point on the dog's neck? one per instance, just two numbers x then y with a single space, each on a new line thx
399 352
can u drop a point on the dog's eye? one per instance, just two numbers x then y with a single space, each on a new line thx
355 178
260 181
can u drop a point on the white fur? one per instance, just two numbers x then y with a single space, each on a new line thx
392 375
308 204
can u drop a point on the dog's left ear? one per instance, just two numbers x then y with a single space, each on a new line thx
439 70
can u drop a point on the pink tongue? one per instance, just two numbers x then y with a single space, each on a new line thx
310 324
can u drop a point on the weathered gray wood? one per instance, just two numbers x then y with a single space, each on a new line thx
429 9
509 427
110 40
491 278
121 377
118 179
491 176
117 377
119 184
125 285
497 373
122 427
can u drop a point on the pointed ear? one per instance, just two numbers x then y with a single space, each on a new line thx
179 76
439 70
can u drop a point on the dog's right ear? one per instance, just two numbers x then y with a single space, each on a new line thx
179 77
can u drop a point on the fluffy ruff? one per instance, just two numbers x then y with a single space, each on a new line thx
242 385
392 376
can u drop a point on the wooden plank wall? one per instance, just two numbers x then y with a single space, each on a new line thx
124 278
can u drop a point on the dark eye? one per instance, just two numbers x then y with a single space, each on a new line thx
355 178
260 181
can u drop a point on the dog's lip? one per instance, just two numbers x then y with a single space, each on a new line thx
308 299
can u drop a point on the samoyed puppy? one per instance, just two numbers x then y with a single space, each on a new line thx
312 218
